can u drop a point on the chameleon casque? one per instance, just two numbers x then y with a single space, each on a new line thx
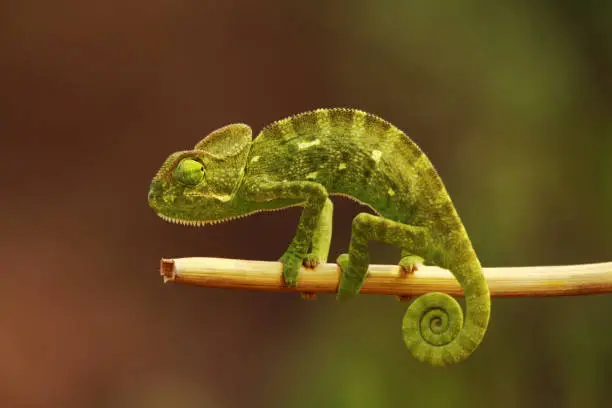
304 159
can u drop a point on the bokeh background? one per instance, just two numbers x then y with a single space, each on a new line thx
512 101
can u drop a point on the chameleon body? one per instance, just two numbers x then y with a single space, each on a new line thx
304 159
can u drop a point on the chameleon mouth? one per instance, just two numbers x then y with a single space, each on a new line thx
201 223
198 223
193 223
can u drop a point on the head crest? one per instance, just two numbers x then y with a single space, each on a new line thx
226 141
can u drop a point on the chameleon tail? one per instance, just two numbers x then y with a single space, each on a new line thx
433 326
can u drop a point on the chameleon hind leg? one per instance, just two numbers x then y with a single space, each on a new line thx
409 264
314 198
365 228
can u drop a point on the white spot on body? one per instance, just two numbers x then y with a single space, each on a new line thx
342 166
254 159
306 145
376 155
222 197
391 192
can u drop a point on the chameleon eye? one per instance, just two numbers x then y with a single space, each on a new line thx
189 172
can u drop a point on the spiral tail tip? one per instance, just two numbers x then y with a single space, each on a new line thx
433 330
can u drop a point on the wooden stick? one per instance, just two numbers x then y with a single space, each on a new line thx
534 281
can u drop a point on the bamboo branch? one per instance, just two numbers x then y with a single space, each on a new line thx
388 280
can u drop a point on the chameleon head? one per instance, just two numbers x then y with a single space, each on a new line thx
196 187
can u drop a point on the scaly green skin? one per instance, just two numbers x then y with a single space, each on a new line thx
302 160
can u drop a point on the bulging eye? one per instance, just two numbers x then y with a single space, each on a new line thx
189 172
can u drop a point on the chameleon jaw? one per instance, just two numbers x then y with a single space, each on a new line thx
201 223
198 223
193 223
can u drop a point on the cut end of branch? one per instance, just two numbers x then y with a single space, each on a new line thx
166 269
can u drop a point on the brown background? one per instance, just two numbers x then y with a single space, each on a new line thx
511 102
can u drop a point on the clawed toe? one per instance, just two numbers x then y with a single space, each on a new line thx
291 267
309 296
409 264
408 269
342 261
311 261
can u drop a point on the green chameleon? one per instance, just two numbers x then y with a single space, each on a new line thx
304 159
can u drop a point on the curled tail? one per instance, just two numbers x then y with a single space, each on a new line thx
433 327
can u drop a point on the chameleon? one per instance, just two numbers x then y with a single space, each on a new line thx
304 159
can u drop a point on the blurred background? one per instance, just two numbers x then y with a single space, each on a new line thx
511 100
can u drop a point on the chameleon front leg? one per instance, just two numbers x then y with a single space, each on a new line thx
365 228
321 237
314 198
321 241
